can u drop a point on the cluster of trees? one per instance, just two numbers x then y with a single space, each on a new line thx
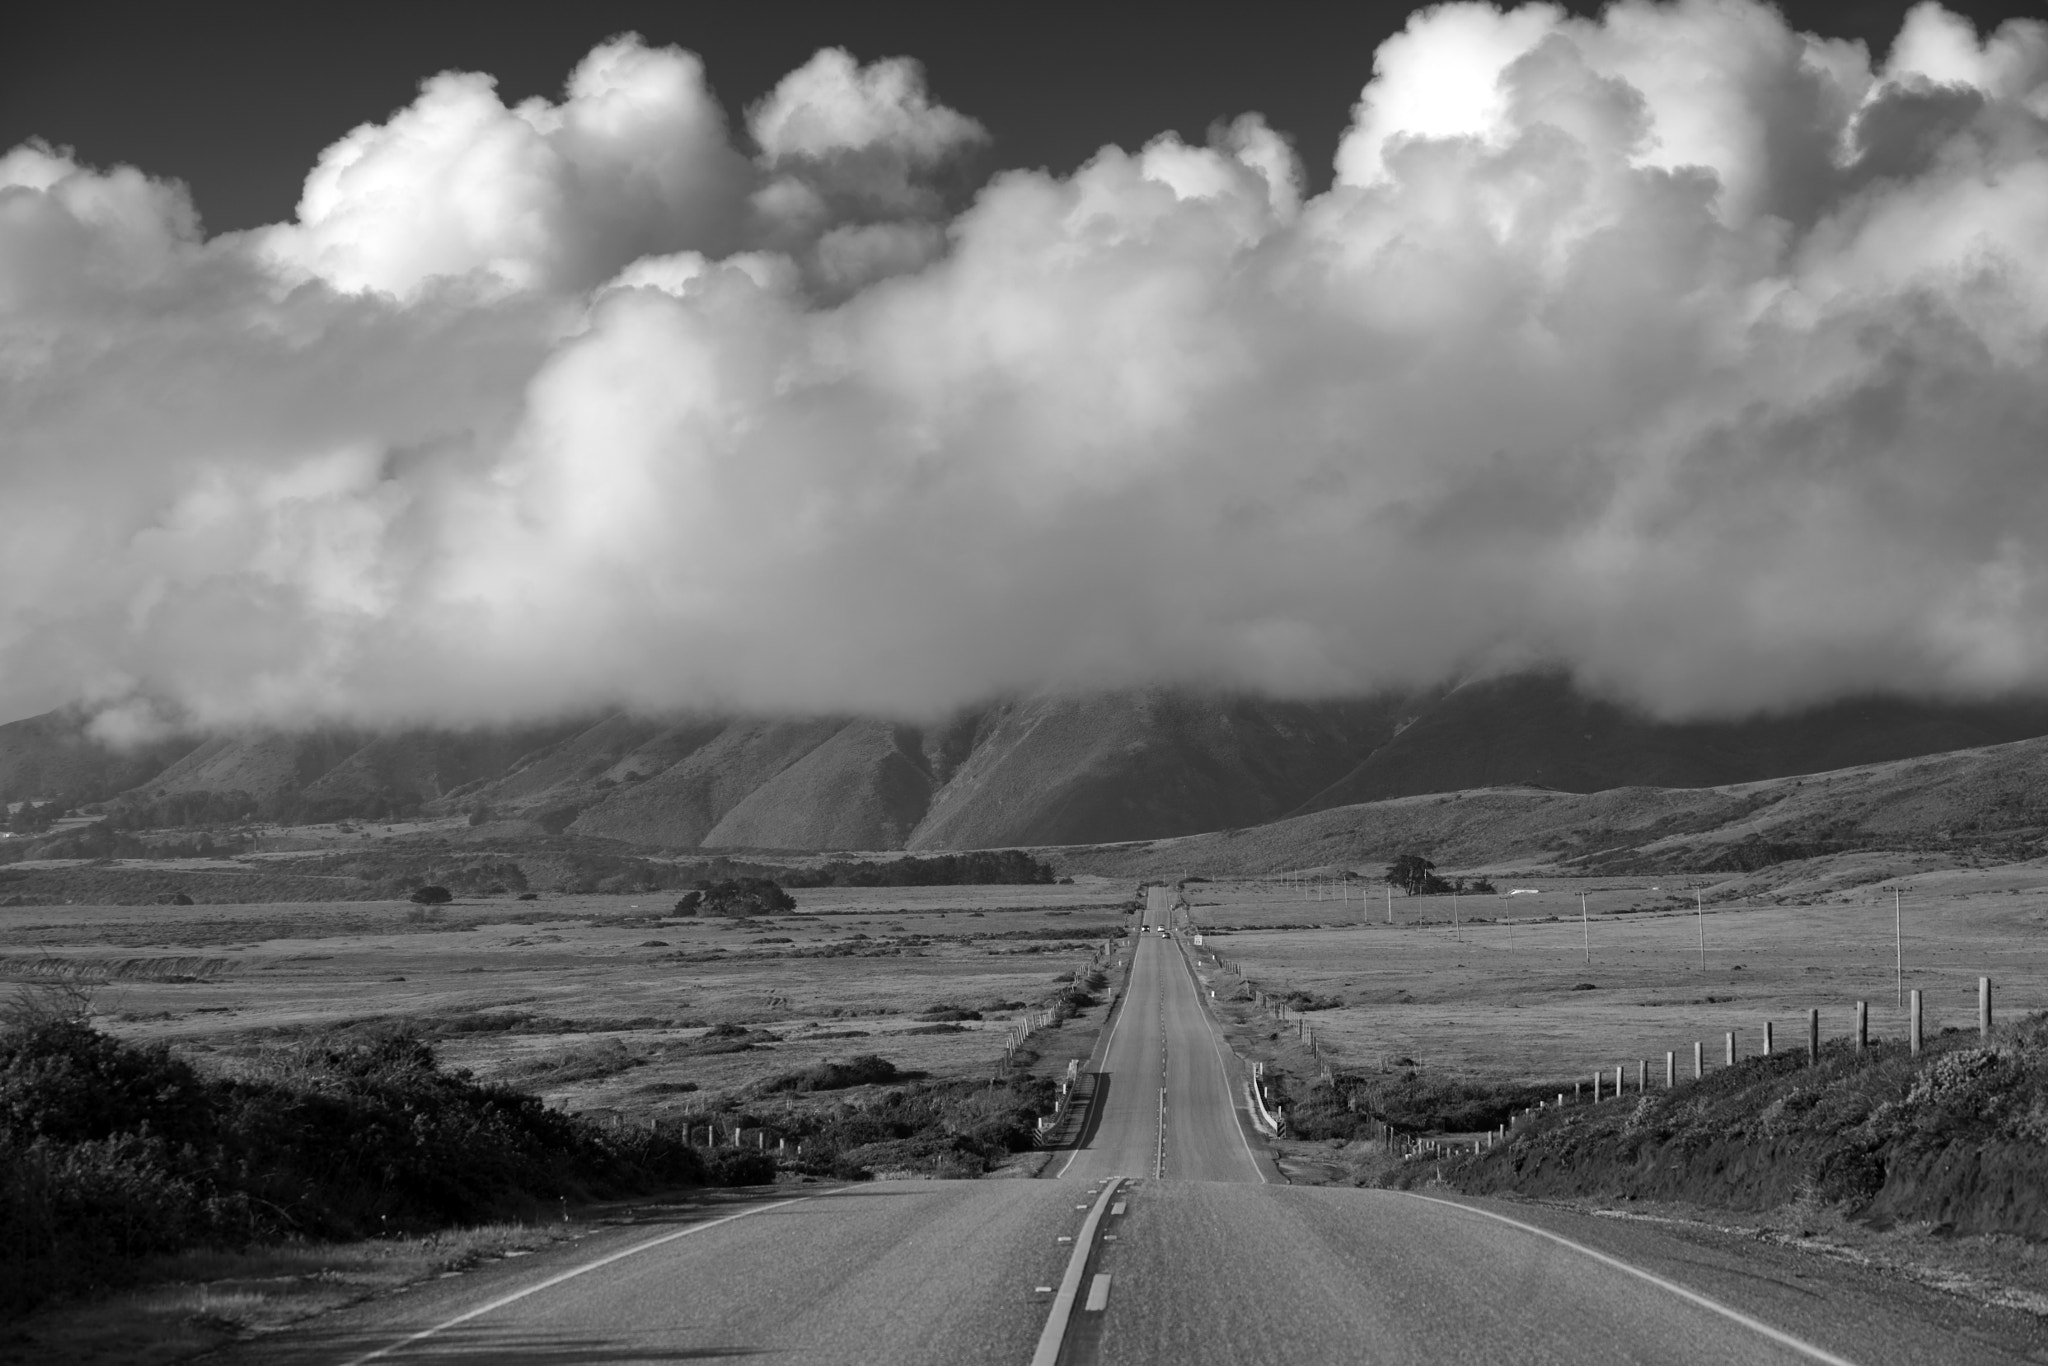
185 810
32 818
741 896
1416 876
977 867
296 808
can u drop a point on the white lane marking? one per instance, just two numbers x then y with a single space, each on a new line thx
1098 1293
571 1274
1783 1339
1055 1332
1159 1158
1223 1068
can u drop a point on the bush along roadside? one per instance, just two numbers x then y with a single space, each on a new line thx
952 1128
1956 1138
111 1153
1410 1101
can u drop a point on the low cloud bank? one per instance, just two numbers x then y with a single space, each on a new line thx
1701 356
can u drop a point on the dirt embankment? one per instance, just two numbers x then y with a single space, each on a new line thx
1956 1138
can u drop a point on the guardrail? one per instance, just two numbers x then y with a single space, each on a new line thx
1267 1120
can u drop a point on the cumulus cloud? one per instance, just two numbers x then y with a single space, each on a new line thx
1696 354
634 160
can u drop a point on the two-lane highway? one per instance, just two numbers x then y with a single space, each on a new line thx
1171 1238
1169 1103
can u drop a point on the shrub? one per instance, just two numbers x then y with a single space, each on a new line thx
1953 1136
431 896
110 1151
960 1127
745 896
864 1070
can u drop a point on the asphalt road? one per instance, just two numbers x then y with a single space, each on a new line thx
1204 1255
1174 1100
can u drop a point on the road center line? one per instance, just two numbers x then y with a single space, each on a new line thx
1055 1331
1159 1159
571 1274
1783 1339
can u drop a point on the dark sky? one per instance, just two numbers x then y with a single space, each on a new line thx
238 99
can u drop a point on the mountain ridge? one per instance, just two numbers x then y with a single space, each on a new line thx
1137 764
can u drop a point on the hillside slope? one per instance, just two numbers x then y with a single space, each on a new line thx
1538 730
1140 764
1952 1137
1122 766
1988 801
53 755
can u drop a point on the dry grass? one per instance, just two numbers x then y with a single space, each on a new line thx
609 994
604 1019
1496 998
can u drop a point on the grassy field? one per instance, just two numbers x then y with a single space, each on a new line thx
594 1002
1509 993
608 1006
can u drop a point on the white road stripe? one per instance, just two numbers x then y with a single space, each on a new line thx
1216 1039
1783 1339
1055 1331
571 1274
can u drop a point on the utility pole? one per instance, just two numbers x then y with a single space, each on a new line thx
1585 932
1700 906
1898 953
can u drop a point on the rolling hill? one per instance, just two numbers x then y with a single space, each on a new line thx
1135 765
1965 805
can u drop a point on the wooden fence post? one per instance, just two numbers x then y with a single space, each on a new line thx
1812 1036
1984 1007
1913 1026
1642 1075
1596 1086
1617 1081
1731 1048
1670 1070
1767 1038
1699 1059
1862 1025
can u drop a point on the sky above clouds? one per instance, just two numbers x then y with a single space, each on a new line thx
1698 353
